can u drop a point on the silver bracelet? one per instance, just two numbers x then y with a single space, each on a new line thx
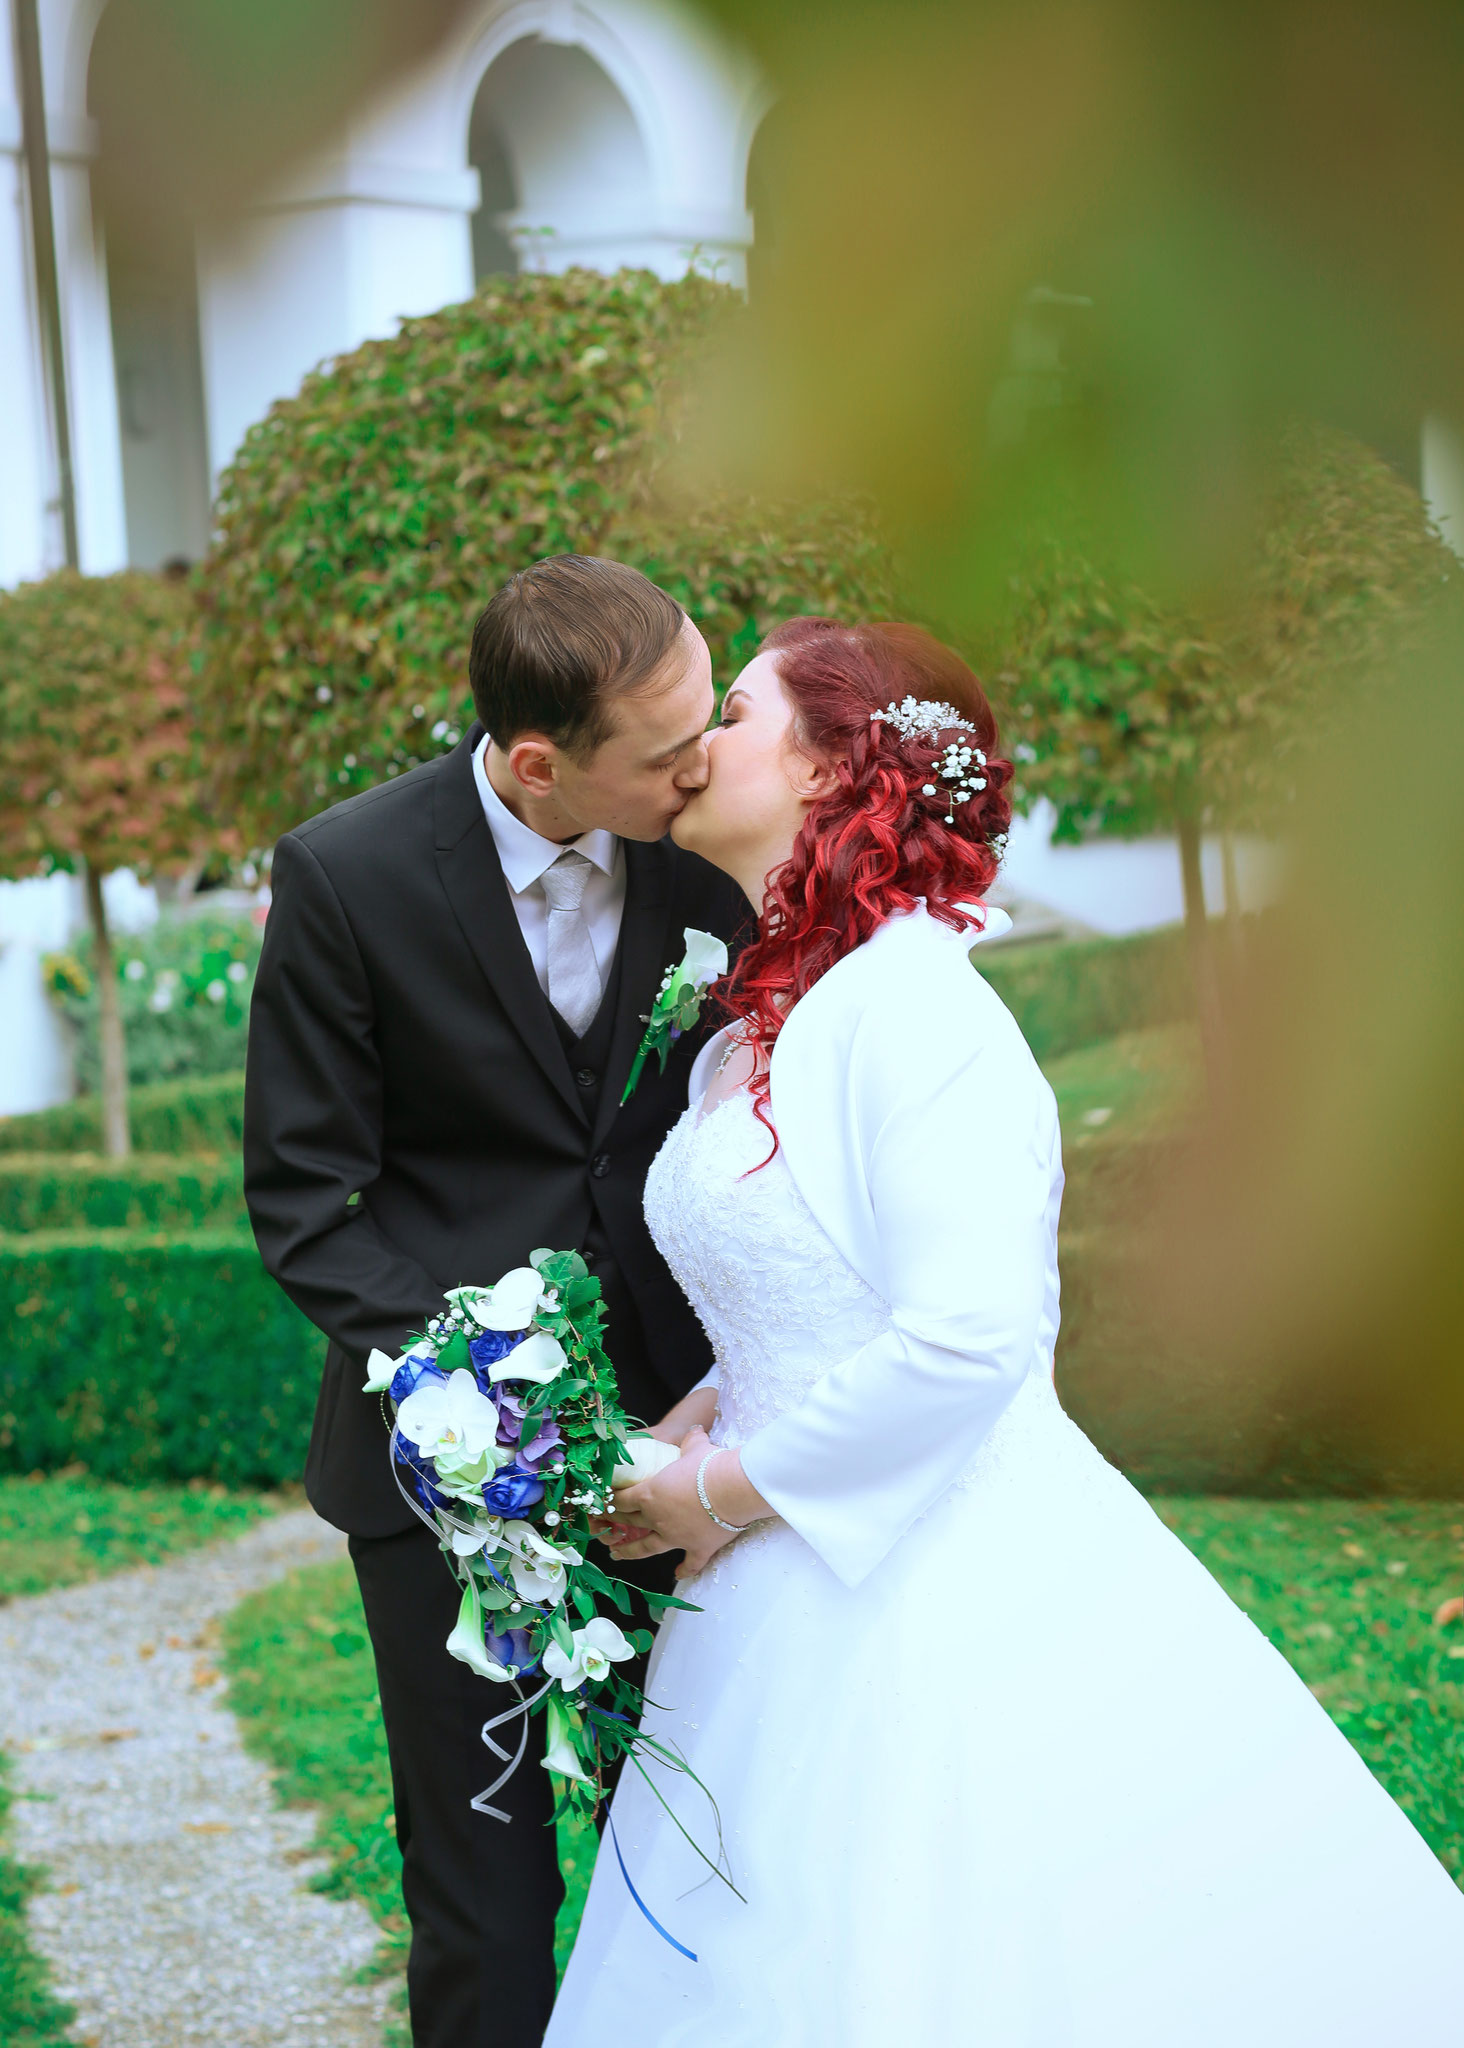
701 1493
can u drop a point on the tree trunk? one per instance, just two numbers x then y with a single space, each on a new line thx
116 1137
1233 930
1201 949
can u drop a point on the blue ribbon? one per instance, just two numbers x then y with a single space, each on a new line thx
680 1949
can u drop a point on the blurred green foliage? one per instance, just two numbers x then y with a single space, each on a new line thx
149 1357
1131 717
183 987
204 1116
365 523
1071 992
80 1191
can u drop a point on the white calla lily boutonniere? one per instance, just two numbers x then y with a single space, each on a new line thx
678 1005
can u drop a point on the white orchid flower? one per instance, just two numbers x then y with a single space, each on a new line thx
449 1420
483 1536
645 1456
537 1568
510 1304
559 1753
466 1641
540 1358
705 960
597 1646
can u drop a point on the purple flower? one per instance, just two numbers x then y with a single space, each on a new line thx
511 1410
512 1490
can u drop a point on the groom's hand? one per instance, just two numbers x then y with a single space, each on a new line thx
668 1508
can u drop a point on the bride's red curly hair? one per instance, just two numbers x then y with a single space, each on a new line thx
876 844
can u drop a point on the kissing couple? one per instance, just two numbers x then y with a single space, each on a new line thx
997 1762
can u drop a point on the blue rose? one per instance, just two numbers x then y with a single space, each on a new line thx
409 1376
511 1648
489 1348
511 1491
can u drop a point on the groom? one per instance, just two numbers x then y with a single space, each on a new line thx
455 973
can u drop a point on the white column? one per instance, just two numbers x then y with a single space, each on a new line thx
338 256
30 530
1443 478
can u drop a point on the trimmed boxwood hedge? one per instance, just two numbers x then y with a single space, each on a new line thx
1068 993
152 1357
157 1191
172 1116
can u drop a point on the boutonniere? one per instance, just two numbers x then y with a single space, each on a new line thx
678 1005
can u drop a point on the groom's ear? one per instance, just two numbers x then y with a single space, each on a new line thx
533 762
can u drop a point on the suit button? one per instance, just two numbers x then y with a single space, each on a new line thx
587 1077
600 1165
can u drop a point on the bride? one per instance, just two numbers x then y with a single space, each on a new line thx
997 1762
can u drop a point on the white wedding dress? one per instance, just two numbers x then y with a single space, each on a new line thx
1034 1782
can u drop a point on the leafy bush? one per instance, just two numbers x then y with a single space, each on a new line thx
147 1357
365 523
1071 993
174 1116
79 1191
183 988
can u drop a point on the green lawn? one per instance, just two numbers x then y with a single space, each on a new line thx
1131 1086
1346 1590
29 2016
60 1529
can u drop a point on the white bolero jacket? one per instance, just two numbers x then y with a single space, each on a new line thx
921 1133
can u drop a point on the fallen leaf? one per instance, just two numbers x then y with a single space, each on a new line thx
146 1650
1353 1550
1449 1610
207 1827
116 1734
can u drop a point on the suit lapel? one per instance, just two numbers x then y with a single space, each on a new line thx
645 937
467 861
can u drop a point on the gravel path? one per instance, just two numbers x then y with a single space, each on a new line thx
176 1913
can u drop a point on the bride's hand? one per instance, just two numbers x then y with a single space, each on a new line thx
669 1510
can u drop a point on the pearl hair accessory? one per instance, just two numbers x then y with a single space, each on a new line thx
924 718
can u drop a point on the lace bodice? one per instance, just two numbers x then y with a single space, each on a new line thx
779 1304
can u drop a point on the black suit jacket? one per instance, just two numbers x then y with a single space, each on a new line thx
411 1118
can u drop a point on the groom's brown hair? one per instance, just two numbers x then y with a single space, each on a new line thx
561 640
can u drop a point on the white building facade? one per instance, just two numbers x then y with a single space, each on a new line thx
542 133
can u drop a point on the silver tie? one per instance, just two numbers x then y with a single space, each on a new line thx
574 972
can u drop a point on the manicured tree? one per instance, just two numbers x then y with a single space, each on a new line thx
96 769
1132 718
365 523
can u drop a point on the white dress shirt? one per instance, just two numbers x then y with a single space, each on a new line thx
524 855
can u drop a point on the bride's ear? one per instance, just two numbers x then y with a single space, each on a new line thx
810 779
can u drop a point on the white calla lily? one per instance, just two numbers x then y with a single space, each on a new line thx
449 1420
380 1372
646 1456
540 1358
466 1641
705 960
559 1752
511 1303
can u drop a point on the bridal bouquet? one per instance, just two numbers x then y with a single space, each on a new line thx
508 1437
